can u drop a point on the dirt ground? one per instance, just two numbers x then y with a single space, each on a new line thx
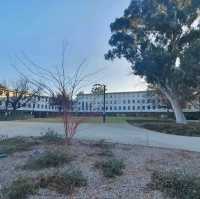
139 161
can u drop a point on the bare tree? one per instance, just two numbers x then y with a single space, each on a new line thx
19 94
58 82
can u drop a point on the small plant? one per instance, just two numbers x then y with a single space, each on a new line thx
49 159
111 168
51 137
101 144
179 185
17 144
20 189
65 182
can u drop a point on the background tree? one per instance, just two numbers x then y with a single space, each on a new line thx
19 94
161 41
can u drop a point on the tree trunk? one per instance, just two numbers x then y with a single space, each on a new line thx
179 115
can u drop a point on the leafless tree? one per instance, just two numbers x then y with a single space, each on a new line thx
19 94
58 82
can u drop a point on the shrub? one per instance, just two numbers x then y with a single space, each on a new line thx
48 159
20 189
177 185
111 168
102 144
65 182
16 144
172 128
51 137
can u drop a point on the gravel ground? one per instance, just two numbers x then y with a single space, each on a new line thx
140 162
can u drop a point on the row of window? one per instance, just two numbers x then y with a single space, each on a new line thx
39 106
116 95
143 101
119 108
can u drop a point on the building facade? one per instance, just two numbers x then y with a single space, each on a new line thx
125 102
143 101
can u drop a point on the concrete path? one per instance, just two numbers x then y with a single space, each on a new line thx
116 133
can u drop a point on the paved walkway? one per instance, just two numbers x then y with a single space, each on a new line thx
116 133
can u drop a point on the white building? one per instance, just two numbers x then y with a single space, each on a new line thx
36 104
121 102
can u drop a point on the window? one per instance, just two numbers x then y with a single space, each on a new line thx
45 106
133 101
124 108
138 108
148 107
38 106
119 107
115 108
29 105
124 101
148 101
143 101
133 107
129 101
143 107
42 106
138 101
111 108
128 107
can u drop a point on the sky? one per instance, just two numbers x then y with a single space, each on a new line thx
38 28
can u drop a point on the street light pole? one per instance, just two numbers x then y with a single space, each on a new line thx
104 103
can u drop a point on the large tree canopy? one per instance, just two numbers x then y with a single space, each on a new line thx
161 41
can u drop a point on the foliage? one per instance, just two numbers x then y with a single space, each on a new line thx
179 185
48 159
159 40
111 168
17 144
65 182
191 129
20 189
51 136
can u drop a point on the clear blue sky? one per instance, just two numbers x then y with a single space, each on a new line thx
38 27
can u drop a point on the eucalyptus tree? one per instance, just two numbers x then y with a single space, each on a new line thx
161 41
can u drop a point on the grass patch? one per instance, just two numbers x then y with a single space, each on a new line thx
17 144
65 182
111 168
177 185
20 189
191 129
47 160
51 136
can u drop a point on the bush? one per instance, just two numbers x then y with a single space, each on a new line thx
49 159
65 182
51 137
177 185
20 189
111 168
176 129
16 144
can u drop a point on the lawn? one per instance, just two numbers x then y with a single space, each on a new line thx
98 119
48 168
